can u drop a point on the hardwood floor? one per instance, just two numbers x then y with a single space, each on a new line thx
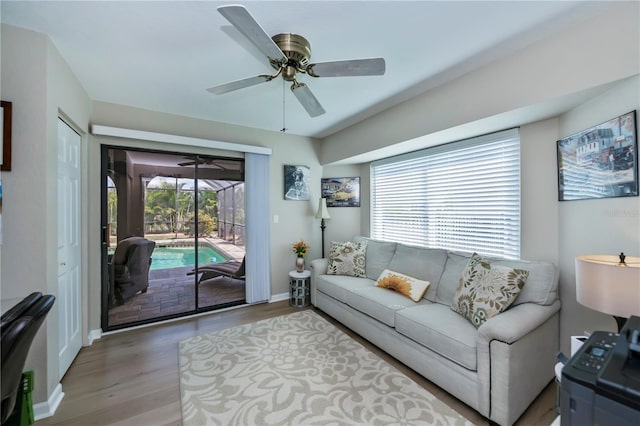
131 378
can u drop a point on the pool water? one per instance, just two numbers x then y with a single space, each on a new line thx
176 257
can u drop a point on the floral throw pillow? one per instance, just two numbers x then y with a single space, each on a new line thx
485 290
408 286
347 258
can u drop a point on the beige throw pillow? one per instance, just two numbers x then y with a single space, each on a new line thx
408 286
485 290
347 258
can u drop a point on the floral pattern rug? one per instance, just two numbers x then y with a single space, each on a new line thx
297 369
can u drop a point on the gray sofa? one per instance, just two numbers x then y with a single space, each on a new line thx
498 369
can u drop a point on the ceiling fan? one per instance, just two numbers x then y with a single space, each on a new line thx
289 55
214 163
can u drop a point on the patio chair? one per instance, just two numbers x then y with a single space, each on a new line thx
230 269
129 268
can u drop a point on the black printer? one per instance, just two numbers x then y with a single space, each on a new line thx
601 382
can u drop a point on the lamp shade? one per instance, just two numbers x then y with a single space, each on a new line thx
606 284
322 212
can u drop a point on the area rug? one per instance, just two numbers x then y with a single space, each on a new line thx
297 369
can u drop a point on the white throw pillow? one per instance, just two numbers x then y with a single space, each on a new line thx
408 286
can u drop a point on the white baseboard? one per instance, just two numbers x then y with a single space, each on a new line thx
279 297
42 410
94 335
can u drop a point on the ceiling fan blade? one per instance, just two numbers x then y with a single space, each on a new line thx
239 84
242 20
306 98
354 67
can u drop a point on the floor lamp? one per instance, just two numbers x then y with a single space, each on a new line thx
322 214
609 284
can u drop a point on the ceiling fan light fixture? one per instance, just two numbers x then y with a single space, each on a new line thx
296 48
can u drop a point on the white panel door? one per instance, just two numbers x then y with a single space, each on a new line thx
69 266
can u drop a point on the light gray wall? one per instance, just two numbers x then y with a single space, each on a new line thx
503 94
295 218
604 226
24 224
345 221
42 88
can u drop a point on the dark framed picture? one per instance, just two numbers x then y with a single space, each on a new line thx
5 133
296 183
341 192
600 162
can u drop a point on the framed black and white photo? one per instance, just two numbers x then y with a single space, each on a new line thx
600 162
341 192
296 183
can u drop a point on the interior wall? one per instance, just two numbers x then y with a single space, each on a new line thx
42 88
40 85
24 227
598 51
601 226
345 221
290 221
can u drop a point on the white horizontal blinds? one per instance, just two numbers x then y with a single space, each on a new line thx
459 196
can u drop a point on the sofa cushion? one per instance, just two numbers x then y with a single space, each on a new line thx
378 256
486 289
542 283
438 328
337 286
410 287
378 303
347 258
456 262
421 263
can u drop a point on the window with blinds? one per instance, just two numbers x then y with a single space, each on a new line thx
460 196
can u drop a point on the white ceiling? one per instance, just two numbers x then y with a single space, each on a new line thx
163 55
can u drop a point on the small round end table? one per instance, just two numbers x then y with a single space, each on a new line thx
299 288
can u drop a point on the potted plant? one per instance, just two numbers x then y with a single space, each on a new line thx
300 249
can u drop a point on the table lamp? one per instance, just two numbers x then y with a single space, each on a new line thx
609 284
322 214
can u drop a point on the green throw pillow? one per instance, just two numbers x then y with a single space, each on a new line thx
485 290
347 258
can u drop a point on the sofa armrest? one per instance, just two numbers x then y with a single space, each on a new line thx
318 267
515 322
516 355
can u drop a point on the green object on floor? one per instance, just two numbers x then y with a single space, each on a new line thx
23 411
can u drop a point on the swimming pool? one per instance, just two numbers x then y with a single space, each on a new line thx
176 257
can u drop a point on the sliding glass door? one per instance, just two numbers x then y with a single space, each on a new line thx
173 235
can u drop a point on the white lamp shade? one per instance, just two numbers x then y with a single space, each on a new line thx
322 212
608 286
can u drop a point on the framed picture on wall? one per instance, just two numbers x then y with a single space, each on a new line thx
6 109
600 162
341 192
296 183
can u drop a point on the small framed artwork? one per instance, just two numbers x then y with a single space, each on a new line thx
600 162
296 183
5 134
341 192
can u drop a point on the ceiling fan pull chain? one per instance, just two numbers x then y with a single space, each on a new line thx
284 129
